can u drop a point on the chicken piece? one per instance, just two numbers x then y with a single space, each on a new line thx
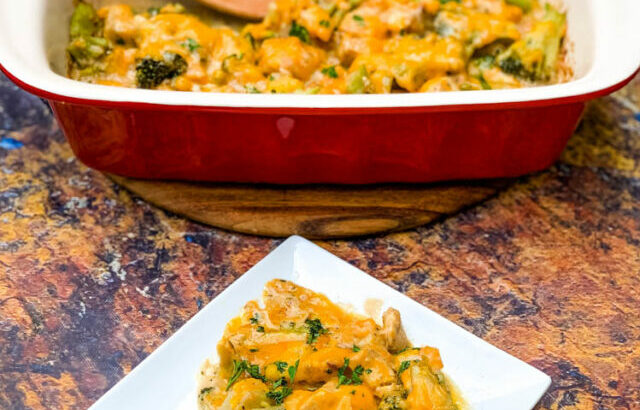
379 364
317 21
364 21
119 23
417 60
393 332
371 74
472 28
331 397
350 47
498 79
427 389
282 83
322 365
290 56
403 16
246 394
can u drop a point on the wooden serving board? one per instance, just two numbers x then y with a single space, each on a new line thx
316 212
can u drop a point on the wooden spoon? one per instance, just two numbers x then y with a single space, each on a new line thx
250 9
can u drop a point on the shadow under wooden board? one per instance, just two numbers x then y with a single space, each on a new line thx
315 212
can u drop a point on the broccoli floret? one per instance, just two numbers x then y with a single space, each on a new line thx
535 57
151 72
525 5
85 50
84 21
478 66
357 81
86 46
395 402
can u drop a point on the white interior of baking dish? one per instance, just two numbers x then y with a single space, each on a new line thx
603 34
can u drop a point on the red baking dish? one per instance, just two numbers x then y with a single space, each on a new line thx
293 139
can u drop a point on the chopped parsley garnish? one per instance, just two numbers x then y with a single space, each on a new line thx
314 329
260 329
254 371
191 45
325 23
359 19
354 379
293 370
404 366
300 31
241 366
253 350
153 11
355 375
408 348
254 319
355 348
342 379
330 72
280 388
279 394
281 366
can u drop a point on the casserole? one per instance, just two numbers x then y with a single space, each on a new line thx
319 138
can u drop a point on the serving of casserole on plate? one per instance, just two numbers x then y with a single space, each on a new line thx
298 350
317 138
170 378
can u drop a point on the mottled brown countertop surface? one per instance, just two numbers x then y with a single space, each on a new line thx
92 279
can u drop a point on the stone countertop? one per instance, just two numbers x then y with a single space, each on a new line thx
93 279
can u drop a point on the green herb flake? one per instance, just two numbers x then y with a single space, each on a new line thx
281 366
259 328
241 366
238 368
404 366
358 19
408 348
300 31
355 375
278 395
314 330
355 348
191 45
254 320
293 370
153 11
330 72
342 378
254 371
325 23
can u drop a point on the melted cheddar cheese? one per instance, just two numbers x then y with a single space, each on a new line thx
301 351
325 46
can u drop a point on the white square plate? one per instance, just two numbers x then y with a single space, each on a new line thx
488 378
